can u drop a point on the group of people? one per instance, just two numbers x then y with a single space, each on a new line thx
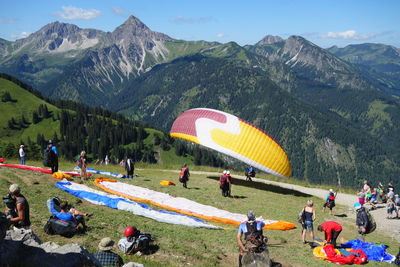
380 195
133 242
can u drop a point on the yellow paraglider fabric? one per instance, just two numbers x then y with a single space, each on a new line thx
61 176
233 136
166 183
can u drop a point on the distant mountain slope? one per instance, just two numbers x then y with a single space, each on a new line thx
87 65
322 147
382 62
324 80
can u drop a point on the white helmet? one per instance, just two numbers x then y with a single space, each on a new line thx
224 172
228 172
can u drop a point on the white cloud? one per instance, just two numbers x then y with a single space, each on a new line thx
8 20
118 11
20 35
71 12
220 35
184 20
350 34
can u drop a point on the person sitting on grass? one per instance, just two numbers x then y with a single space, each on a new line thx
69 214
105 256
19 212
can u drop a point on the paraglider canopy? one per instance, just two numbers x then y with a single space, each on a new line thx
232 136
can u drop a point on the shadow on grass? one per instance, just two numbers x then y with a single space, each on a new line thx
265 187
340 215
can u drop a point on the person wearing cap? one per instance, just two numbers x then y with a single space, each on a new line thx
21 208
22 154
332 230
330 201
252 229
362 221
224 183
390 193
105 256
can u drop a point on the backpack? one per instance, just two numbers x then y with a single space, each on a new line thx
133 244
302 216
371 223
223 180
79 162
48 157
55 226
252 231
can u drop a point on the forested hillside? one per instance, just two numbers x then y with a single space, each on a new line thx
32 120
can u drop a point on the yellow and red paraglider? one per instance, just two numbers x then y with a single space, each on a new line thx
232 136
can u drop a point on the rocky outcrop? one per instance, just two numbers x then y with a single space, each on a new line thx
21 247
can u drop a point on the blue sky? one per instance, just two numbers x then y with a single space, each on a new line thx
324 22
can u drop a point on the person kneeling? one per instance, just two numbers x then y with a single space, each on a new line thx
135 241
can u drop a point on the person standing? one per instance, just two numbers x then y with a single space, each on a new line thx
332 230
223 183
129 167
53 156
22 154
330 201
22 220
184 175
308 217
362 222
105 256
82 165
397 204
106 160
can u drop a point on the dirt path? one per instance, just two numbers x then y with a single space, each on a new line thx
391 227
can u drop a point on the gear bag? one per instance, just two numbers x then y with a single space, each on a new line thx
371 223
133 244
55 226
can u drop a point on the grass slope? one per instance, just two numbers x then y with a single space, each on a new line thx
24 104
180 245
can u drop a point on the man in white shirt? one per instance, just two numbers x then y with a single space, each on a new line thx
22 154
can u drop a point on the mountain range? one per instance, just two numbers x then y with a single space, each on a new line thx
335 111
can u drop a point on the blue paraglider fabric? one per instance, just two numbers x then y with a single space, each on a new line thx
373 251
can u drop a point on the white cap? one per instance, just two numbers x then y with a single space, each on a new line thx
14 188
331 190
224 172
228 172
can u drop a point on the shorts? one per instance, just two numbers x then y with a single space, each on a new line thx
308 225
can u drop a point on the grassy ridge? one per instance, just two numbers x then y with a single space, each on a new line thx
25 103
180 245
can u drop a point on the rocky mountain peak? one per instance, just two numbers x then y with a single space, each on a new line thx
270 39
133 28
